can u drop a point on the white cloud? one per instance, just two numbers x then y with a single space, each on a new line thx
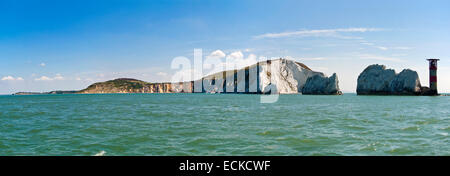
317 33
382 48
58 77
402 48
394 48
43 78
234 60
42 64
381 58
8 78
236 55
78 79
367 43
217 54
363 42
11 78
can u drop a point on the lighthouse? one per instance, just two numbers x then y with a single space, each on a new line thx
433 76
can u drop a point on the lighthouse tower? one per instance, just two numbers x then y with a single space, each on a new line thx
433 76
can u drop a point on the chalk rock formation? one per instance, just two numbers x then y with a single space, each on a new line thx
280 76
377 80
321 85
406 82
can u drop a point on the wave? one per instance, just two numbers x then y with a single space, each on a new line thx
101 153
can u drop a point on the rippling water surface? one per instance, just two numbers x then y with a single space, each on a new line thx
202 124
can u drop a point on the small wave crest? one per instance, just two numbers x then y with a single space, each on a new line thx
101 153
443 134
411 128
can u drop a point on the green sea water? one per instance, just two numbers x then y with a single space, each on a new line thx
223 124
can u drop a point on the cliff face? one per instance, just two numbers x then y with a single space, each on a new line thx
406 82
377 80
279 76
321 85
125 85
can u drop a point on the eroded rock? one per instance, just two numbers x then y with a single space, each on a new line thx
321 85
377 80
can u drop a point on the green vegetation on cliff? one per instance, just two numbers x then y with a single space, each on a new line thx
127 85
121 85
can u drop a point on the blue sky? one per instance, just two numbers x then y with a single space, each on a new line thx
67 45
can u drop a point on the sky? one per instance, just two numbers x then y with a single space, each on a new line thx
67 45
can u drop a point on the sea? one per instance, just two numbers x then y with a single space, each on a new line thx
223 124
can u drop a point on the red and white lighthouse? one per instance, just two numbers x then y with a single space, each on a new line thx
433 76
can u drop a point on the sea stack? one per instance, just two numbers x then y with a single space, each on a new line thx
321 85
377 80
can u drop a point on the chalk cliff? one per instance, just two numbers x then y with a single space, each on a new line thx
377 80
321 85
406 82
279 76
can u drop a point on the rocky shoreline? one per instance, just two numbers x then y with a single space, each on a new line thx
47 93
279 76
377 80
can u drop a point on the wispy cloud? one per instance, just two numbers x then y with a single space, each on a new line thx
381 58
367 43
306 58
392 48
58 77
382 48
318 33
402 48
